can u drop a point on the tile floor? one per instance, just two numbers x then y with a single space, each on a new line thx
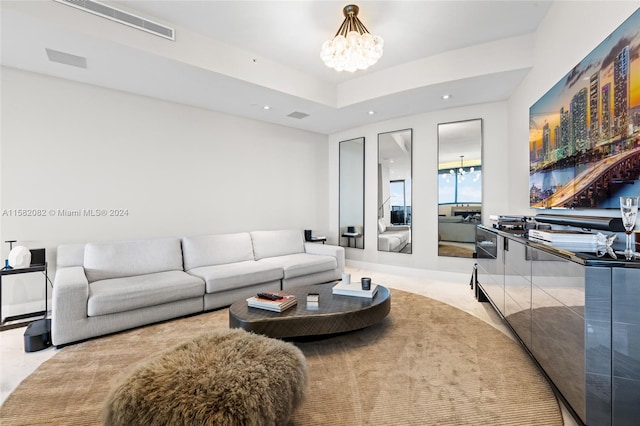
450 288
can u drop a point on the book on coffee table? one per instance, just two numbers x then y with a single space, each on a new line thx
355 289
287 301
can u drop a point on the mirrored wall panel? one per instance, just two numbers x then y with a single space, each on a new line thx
394 191
459 186
351 207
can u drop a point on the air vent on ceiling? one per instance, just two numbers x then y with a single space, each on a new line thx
66 58
122 17
298 115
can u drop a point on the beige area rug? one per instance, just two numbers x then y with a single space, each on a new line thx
427 363
453 250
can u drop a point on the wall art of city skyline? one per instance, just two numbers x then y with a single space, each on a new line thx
584 133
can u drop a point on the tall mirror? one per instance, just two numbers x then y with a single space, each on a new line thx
394 191
351 206
459 186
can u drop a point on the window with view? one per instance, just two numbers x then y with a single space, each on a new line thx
455 187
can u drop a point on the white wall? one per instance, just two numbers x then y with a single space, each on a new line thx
175 169
425 181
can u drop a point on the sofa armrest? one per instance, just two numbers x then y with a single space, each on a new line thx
70 295
327 250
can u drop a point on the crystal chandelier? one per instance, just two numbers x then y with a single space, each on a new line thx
353 47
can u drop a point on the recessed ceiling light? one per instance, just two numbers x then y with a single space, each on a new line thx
446 96
372 112
267 107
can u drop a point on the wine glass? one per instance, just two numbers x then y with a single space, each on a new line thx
629 210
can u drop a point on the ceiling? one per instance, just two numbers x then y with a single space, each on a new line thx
394 151
239 56
461 140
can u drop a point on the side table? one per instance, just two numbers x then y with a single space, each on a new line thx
32 268
317 240
349 236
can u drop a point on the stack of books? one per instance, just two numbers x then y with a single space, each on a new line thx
355 289
276 302
578 241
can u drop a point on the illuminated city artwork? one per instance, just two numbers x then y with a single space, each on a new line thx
584 133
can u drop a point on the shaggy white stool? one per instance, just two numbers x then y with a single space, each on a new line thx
227 377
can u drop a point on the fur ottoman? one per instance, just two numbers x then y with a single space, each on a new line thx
227 377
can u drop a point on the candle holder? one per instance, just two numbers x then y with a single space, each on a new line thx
365 283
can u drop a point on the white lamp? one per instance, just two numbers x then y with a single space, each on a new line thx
19 257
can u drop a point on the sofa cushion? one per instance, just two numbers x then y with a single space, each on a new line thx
220 249
116 259
277 243
126 294
391 241
450 219
236 275
300 264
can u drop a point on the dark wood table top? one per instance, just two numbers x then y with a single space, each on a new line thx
333 314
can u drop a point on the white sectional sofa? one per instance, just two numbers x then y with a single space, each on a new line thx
393 237
457 229
105 287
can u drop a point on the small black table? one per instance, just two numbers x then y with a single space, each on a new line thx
317 240
355 237
333 314
15 271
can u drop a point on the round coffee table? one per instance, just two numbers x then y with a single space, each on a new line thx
333 313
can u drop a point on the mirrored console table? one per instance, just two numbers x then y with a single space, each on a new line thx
578 316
